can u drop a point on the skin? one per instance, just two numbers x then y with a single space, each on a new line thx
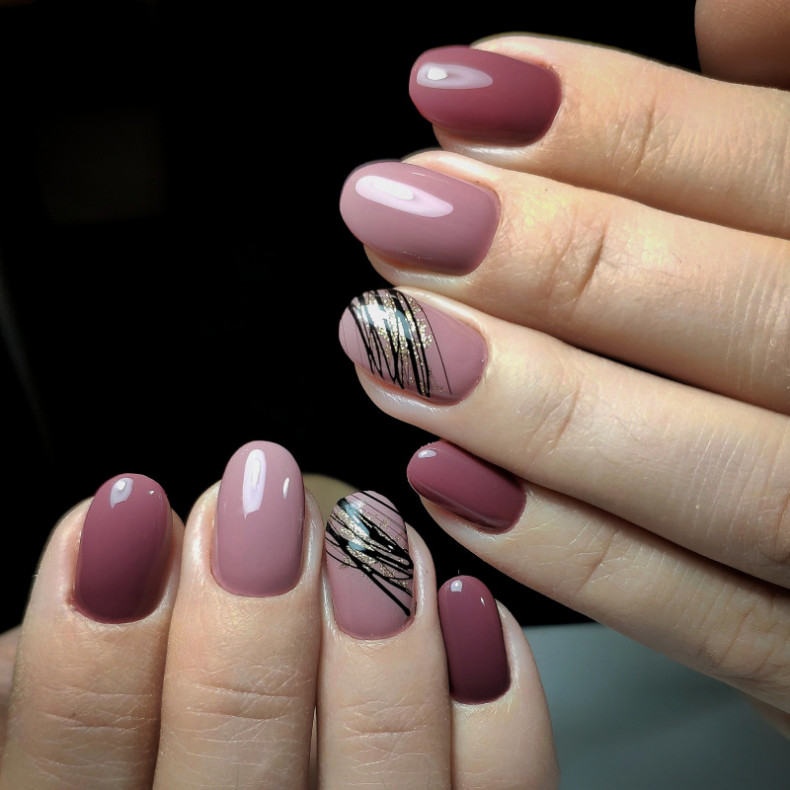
676 534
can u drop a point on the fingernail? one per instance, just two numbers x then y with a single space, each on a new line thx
485 95
420 217
369 567
473 641
124 550
258 535
466 485
412 345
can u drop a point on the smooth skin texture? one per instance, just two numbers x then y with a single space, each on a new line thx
635 302
219 690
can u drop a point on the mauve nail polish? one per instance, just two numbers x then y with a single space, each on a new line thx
124 550
474 644
466 485
417 216
368 565
412 345
258 534
485 95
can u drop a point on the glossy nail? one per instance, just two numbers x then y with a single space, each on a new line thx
412 345
485 95
258 535
467 486
417 216
124 550
369 567
474 644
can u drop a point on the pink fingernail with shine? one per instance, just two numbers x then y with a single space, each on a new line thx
474 643
466 485
258 534
485 95
369 567
412 345
124 550
419 217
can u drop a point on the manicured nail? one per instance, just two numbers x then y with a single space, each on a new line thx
369 567
466 485
473 641
124 550
420 217
485 95
412 345
258 535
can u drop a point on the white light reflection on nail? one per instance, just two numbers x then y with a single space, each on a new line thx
426 454
457 585
452 76
121 490
402 197
254 481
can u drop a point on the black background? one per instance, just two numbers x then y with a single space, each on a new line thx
173 262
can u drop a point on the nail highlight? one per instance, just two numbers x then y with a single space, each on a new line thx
466 485
124 550
417 216
369 567
474 644
485 95
412 345
258 535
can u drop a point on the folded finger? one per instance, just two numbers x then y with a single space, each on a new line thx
698 469
698 612
614 122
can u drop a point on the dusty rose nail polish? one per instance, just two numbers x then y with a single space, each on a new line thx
124 550
258 534
474 644
369 567
420 217
466 485
412 345
485 95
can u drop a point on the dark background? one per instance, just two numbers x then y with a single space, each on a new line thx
172 261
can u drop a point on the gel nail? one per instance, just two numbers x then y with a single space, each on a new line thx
369 567
412 345
485 95
420 217
473 641
124 550
467 486
258 535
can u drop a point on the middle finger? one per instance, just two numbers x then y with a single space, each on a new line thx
691 300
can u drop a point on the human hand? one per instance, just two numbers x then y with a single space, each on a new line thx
592 312
157 656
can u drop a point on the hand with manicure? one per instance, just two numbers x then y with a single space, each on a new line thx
590 312
220 653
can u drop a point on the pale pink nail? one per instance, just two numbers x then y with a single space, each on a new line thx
420 217
258 535
368 565
412 345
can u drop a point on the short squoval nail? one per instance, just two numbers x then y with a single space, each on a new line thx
466 485
485 95
258 534
412 345
369 567
124 550
420 217
474 644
